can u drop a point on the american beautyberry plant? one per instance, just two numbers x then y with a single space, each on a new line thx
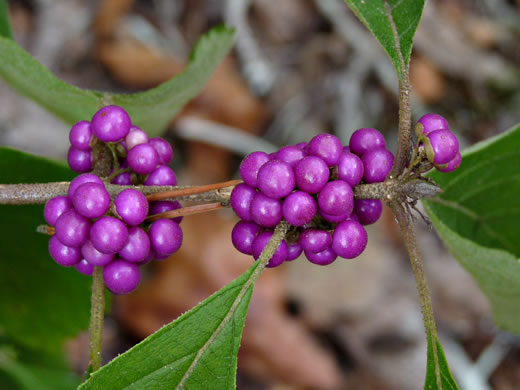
312 199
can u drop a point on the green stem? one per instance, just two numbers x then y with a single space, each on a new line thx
97 313
420 280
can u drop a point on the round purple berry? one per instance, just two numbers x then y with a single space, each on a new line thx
165 237
80 135
124 179
163 206
82 179
260 243
137 247
143 159
95 257
299 208
350 168
62 254
335 218
290 155
55 207
243 235
349 239
132 206
366 139
441 147
311 174
368 211
377 164
325 257
294 251
84 267
250 166
79 160
241 198
72 228
336 198
163 175
276 179
431 122
163 148
121 277
91 200
108 235
111 124
135 136
314 240
266 211
327 147
452 165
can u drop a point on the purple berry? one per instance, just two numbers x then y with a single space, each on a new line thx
311 174
243 235
165 237
111 124
363 140
72 228
301 145
324 257
163 206
290 155
350 168
91 200
336 198
293 251
82 179
377 164
250 166
79 160
137 247
335 218
135 136
143 159
299 208
55 207
124 179
279 255
62 254
266 211
431 122
132 206
276 179
163 148
121 277
95 257
349 239
452 165
80 135
326 146
161 176
442 146
241 198
314 240
108 235
84 267
368 211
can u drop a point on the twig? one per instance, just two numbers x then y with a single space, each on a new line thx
200 208
97 313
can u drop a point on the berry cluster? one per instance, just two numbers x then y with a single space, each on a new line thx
440 144
90 228
310 185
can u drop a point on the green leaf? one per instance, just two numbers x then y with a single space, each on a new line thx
446 379
5 26
152 110
476 218
379 16
41 302
196 351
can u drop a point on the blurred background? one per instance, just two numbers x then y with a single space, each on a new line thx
298 68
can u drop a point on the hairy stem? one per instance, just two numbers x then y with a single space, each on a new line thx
97 313
420 279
